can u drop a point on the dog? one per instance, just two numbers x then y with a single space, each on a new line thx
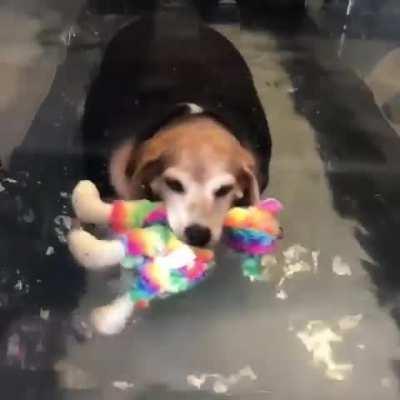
174 115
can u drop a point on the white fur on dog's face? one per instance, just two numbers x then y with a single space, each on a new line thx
197 168
190 202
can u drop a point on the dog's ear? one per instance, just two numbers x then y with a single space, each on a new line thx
249 190
143 180
133 169
121 168
150 163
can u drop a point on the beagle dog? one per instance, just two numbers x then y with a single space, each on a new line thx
173 114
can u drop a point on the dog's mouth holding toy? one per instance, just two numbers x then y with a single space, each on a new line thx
143 230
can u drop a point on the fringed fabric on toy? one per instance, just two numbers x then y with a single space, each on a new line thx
165 265
253 232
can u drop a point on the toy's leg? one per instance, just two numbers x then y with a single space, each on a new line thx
111 319
93 253
88 205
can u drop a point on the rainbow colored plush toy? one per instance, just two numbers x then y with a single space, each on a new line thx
161 264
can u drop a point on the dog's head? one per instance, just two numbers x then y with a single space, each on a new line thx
197 168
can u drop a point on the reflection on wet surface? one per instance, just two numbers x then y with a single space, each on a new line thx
324 323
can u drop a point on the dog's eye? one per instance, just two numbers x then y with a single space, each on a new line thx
174 185
223 190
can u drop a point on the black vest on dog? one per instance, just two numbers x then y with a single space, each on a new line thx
153 68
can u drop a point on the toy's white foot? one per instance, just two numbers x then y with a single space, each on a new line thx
93 253
88 205
111 319
85 189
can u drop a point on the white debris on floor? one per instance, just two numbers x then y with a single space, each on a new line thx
19 285
315 260
196 381
71 377
339 267
220 383
294 253
50 251
28 216
349 322
269 264
62 227
44 314
294 263
281 294
291 269
10 180
318 337
123 385
269 261
296 259
386 382
220 387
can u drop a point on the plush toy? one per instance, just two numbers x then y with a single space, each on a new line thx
161 264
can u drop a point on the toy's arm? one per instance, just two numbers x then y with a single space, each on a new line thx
93 253
88 205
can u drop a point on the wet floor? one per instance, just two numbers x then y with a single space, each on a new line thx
324 324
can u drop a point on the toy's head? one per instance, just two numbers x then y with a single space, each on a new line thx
254 230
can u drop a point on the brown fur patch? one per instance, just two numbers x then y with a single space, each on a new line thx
197 145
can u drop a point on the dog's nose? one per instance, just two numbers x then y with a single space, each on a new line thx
197 235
